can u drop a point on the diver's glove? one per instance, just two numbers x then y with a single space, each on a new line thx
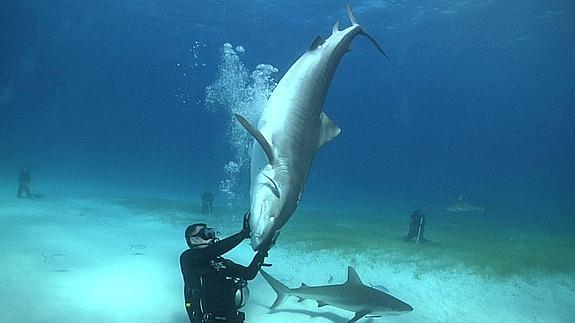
246 226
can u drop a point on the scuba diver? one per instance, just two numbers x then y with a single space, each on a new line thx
207 201
24 180
215 288
416 226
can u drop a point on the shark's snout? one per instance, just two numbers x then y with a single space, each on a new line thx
257 243
404 308
257 239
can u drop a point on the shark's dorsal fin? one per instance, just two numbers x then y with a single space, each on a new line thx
327 130
353 277
359 315
318 41
300 299
335 28
303 285
321 304
258 136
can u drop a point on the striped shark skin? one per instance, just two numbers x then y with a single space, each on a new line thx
291 130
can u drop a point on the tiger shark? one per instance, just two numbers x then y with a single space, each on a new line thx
352 296
461 206
290 131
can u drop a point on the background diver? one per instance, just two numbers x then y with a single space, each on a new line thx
416 226
215 288
207 202
24 180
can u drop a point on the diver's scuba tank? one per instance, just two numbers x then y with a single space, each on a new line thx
242 293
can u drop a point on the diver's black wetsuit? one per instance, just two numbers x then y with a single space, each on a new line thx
23 183
211 281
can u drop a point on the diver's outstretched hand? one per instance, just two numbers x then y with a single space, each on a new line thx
246 226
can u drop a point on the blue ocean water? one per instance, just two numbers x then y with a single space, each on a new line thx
476 98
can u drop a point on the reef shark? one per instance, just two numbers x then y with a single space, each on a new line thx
290 131
352 296
461 206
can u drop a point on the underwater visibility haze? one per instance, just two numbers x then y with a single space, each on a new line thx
124 113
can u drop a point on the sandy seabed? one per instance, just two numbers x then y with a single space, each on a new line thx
93 259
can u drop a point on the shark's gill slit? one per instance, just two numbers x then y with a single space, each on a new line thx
275 189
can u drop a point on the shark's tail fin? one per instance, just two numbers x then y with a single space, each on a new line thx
281 290
363 31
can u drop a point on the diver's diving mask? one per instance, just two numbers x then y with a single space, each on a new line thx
205 233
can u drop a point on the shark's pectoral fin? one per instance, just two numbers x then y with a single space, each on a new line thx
358 315
258 136
281 290
328 130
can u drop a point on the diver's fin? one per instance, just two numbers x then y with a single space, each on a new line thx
258 136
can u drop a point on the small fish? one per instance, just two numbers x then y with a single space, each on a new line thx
461 206
137 247
54 255
380 287
61 271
